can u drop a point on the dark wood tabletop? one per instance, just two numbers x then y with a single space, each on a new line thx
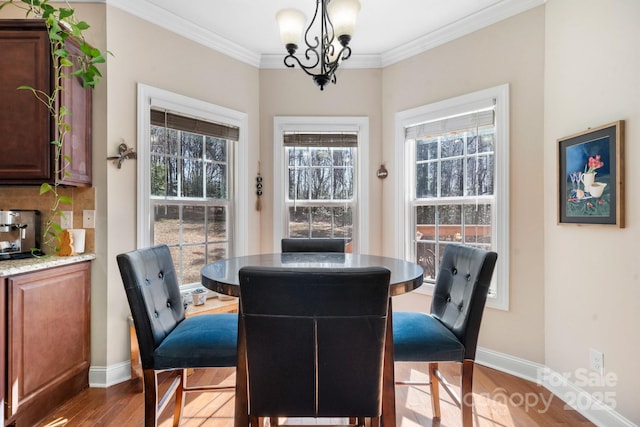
222 276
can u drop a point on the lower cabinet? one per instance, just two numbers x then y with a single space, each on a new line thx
48 340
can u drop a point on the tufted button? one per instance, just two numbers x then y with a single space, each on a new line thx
460 306
160 275
468 277
155 314
454 271
147 281
449 298
169 304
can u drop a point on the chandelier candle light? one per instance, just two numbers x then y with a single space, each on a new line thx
336 20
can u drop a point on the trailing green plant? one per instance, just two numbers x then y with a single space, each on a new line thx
61 24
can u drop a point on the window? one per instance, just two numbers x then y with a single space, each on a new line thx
320 184
187 182
456 159
316 191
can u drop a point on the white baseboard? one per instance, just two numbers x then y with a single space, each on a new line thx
106 376
569 392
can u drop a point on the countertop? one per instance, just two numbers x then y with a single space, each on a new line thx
12 267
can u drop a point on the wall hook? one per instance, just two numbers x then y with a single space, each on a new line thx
382 172
124 153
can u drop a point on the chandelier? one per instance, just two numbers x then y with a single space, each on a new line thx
335 20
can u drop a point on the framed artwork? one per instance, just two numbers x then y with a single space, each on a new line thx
590 176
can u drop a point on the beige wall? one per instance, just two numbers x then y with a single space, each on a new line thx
146 53
592 288
510 52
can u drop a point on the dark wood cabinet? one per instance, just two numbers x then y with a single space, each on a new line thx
26 128
48 340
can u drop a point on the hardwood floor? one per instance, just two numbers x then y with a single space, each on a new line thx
500 400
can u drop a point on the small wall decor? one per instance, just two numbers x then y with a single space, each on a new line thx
124 153
382 172
258 189
590 176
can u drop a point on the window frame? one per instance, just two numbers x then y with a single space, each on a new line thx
360 125
238 194
403 162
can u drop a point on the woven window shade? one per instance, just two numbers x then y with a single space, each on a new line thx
454 124
320 140
193 125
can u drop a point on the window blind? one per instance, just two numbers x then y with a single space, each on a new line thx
190 124
320 139
453 124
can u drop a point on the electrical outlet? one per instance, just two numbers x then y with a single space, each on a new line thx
66 220
88 219
596 361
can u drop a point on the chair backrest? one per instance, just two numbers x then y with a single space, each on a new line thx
315 340
461 291
313 245
153 293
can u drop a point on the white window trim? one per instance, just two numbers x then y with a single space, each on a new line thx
149 96
322 124
402 162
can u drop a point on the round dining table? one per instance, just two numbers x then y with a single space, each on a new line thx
222 277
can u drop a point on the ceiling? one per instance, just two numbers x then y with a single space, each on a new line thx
386 32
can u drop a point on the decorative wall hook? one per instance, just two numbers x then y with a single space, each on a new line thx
258 189
124 153
382 172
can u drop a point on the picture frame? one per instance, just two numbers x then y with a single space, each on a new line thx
590 176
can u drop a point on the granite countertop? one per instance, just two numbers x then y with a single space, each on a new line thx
12 267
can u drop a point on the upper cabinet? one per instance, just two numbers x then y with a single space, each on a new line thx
26 128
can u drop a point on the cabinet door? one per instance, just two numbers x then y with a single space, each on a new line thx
24 121
78 142
48 340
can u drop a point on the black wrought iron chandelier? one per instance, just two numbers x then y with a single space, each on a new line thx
336 21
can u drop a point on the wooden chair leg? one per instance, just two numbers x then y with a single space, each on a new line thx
466 393
150 380
434 385
179 404
273 421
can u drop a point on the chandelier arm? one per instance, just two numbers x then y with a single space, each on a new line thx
303 67
311 24
345 53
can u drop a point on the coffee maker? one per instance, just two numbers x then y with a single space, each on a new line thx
19 234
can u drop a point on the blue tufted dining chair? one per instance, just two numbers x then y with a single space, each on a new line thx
312 245
167 340
449 333
314 341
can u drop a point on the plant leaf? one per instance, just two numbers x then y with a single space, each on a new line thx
45 188
65 199
65 13
83 26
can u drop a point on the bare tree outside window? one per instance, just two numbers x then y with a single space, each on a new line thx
320 191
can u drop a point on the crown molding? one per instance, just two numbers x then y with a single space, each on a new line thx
152 13
467 25
462 27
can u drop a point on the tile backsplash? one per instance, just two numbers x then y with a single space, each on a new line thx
28 197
